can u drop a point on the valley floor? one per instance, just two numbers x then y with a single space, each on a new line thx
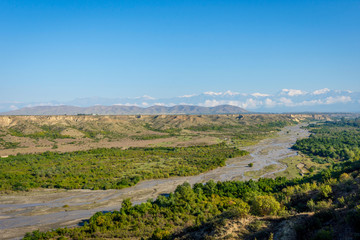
44 209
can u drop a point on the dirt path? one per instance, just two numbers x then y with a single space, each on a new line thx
46 209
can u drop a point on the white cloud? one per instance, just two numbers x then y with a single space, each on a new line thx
13 107
321 91
126 104
286 101
210 103
338 99
213 93
187 96
43 105
148 97
310 102
251 104
145 97
182 103
159 104
260 95
270 103
248 104
230 93
292 92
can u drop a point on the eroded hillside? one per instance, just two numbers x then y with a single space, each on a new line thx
34 134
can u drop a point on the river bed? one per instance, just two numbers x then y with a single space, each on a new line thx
51 208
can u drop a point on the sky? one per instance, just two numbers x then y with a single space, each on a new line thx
62 50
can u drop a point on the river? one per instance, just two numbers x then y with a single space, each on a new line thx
46 209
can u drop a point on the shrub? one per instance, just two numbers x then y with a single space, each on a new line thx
341 201
344 177
311 205
126 205
160 234
242 208
325 190
265 205
323 205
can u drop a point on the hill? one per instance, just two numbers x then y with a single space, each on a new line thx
30 134
125 110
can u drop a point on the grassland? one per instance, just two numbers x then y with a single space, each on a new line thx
291 167
298 166
259 173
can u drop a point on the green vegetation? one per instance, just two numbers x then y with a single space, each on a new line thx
47 131
197 206
333 194
263 127
298 166
100 133
332 141
171 131
8 145
109 168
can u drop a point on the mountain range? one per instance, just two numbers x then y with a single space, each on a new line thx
125 110
285 100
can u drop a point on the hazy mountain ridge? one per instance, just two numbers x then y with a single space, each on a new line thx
286 100
125 110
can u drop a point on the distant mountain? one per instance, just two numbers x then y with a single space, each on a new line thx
286 100
125 110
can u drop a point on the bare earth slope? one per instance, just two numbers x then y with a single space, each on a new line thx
36 134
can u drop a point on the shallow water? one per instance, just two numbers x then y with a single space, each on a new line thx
24 212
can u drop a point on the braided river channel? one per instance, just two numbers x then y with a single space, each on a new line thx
45 209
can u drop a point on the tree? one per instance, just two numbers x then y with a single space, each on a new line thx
126 205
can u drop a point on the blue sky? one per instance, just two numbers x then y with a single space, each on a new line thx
61 50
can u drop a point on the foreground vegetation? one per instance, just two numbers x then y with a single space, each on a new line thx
325 205
109 168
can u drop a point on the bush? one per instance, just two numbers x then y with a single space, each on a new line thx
265 205
344 177
242 208
311 205
325 190
323 205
